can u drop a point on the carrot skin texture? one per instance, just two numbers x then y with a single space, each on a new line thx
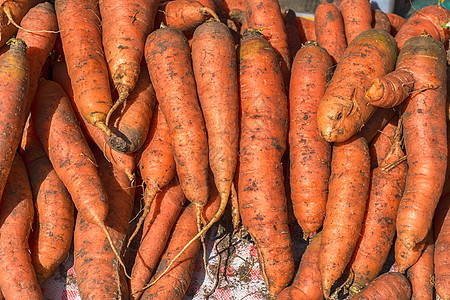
357 16
422 272
441 248
98 271
307 283
168 58
330 30
425 135
396 23
377 122
86 64
14 84
163 215
380 20
266 15
343 110
71 157
185 15
125 26
307 29
391 285
41 17
52 235
17 276
382 143
378 231
264 123
348 191
310 155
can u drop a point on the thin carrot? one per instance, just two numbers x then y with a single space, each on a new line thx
390 285
293 34
422 272
310 155
382 142
442 246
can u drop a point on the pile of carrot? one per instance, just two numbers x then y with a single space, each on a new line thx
337 124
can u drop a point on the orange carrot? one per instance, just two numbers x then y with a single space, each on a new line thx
404 257
310 155
346 204
14 83
125 26
264 123
357 16
376 123
391 285
307 29
54 221
17 276
442 246
330 30
163 215
307 283
424 116
98 272
382 142
79 23
380 20
396 22
343 110
422 272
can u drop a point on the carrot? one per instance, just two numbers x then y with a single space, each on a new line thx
227 5
380 20
124 162
79 23
14 84
348 191
240 17
307 29
174 284
376 123
261 195
17 276
125 26
441 247
266 16
307 283
98 272
39 33
294 38
157 227
390 285
343 110
330 30
428 19
382 142
169 63
405 257
422 272
396 22
54 221
13 10
156 165
357 16
424 116
133 122
187 15
215 69
310 155
378 230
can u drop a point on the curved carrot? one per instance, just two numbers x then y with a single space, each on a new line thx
17 276
421 274
310 155
424 116
264 123
391 285
357 16
405 257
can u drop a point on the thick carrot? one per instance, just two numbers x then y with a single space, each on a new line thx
80 25
343 109
390 285
310 155
422 272
14 83
261 194
348 191
376 123
429 19
266 16
54 221
307 284
39 34
156 164
187 15
424 116
441 247
98 271
169 63
174 284
378 231
382 142
380 20
125 26
215 70
17 276
133 121
396 22
163 215
330 30
357 16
